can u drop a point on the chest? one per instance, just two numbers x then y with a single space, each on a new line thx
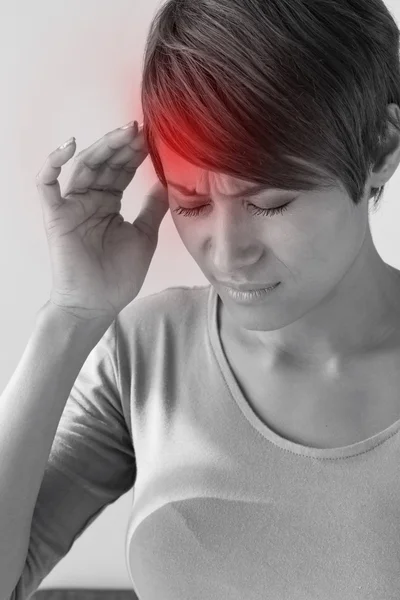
319 411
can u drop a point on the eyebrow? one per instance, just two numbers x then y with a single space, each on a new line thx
247 193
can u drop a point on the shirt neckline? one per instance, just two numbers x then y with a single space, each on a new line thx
270 435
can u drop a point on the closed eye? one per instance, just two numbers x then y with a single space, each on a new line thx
269 212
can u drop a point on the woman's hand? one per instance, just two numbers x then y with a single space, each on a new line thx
99 261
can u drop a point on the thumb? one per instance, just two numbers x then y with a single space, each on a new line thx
153 211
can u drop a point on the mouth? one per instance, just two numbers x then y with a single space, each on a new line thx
250 287
252 296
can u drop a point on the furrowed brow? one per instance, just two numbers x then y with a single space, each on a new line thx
247 193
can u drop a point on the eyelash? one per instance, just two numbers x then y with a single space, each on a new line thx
269 212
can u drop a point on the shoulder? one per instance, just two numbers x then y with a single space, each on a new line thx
173 304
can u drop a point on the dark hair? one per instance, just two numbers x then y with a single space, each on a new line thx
290 93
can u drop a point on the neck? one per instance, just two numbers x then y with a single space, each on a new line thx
356 317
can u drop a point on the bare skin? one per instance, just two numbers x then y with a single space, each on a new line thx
319 359
321 409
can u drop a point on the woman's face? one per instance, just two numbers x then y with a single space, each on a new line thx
308 246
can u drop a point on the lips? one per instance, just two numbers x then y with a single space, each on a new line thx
249 287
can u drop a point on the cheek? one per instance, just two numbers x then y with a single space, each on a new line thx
306 246
303 244
321 257
185 232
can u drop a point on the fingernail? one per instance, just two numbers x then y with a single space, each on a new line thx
67 143
131 124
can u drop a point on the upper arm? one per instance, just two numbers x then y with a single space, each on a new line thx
91 464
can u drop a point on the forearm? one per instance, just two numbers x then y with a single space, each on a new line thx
31 406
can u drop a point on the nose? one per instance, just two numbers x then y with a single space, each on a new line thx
234 249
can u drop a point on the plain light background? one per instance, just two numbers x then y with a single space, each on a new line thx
73 68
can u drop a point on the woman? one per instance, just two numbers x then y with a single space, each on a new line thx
260 431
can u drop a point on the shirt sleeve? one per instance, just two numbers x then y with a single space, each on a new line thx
91 464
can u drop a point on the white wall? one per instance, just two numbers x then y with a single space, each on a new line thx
70 67
73 68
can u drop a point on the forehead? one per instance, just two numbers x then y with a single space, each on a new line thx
184 173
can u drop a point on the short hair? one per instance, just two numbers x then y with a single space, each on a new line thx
289 93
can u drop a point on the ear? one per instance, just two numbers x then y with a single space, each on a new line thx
388 163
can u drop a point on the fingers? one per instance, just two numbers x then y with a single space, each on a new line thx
47 179
121 147
125 148
99 152
153 211
119 171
